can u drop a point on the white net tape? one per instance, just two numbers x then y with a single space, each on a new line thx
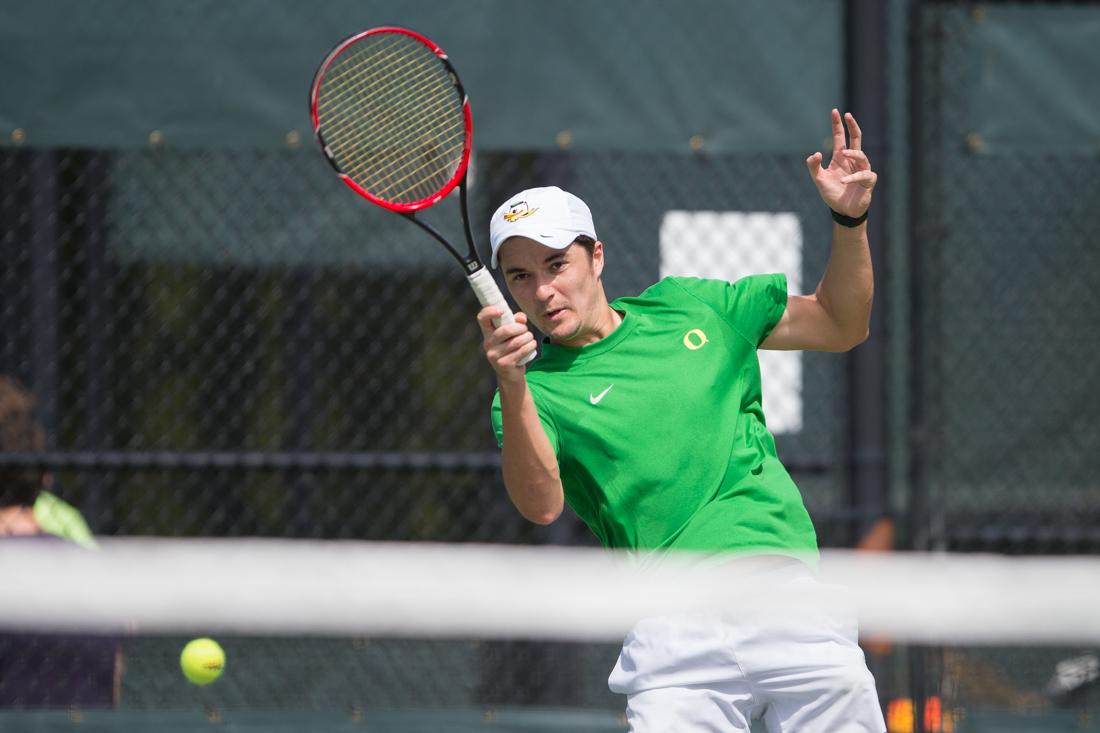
491 591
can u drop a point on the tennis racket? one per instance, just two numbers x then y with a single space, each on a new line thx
394 121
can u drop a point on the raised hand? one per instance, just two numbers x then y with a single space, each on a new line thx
845 184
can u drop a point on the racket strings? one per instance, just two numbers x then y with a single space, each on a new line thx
410 128
383 159
385 150
391 114
394 169
372 52
363 82
424 127
367 77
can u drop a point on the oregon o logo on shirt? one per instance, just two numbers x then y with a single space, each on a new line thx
695 339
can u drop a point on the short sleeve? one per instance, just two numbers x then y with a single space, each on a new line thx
498 424
753 305
758 304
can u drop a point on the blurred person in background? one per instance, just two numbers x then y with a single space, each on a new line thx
47 513
58 517
19 487
645 414
39 670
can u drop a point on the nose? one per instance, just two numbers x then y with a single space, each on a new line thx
545 291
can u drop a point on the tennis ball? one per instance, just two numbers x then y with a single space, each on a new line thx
202 661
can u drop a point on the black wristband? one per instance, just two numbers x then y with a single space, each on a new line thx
848 221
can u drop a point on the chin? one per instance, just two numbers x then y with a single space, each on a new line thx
563 333
554 329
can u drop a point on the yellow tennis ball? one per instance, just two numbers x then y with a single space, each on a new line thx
202 661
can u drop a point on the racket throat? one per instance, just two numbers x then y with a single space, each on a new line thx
469 264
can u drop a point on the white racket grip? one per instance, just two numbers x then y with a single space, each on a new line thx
485 287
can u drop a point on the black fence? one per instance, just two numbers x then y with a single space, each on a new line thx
230 343
227 342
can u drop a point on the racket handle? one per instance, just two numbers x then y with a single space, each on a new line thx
489 294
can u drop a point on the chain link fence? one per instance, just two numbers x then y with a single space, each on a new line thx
230 343
1006 259
227 342
1004 388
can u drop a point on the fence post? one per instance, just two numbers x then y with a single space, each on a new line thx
865 87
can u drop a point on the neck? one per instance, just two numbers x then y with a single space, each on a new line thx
610 321
607 321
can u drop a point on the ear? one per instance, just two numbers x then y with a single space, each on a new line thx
597 258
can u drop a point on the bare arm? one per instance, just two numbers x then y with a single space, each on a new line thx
529 464
837 316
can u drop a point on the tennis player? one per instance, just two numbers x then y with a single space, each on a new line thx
645 415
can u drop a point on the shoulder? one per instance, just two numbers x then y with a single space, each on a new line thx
721 295
707 285
672 291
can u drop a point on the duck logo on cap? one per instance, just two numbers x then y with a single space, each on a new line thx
517 211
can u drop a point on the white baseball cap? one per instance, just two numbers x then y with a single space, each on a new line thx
548 215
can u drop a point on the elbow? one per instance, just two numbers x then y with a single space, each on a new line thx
541 504
843 329
857 338
851 333
839 343
550 509
859 328
543 514
543 518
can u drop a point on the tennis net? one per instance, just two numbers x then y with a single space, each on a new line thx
443 637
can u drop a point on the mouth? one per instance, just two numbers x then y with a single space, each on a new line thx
555 314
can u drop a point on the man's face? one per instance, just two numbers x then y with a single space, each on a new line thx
558 289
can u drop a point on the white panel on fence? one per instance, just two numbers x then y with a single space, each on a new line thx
727 245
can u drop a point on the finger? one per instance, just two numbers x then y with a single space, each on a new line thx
813 163
489 318
854 132
523 348
867 179
858 157
510 342
509 352
504 334
485 318
838 132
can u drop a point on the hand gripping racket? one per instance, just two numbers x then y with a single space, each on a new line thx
393 119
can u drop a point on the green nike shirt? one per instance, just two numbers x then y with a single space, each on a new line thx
659 429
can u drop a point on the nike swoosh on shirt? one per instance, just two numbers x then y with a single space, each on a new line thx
595 399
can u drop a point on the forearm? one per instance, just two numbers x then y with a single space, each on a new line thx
846 290
529 464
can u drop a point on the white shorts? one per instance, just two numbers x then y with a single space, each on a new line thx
704 672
